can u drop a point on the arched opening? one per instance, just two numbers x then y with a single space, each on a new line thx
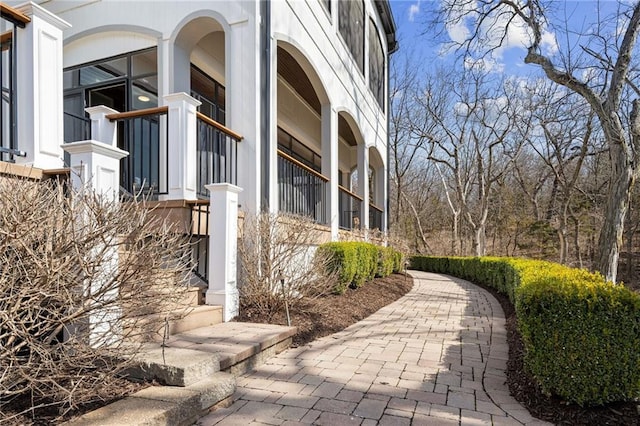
302 182
376 189
351 195
199 68
199 62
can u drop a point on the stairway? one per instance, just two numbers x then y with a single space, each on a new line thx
197 369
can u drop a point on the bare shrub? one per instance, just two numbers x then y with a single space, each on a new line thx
279 265
71 311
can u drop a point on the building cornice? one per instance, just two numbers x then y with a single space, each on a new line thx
388 23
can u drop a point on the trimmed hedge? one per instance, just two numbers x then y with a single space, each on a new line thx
581 333
359 262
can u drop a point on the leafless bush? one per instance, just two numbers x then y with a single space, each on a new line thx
81 282
279 264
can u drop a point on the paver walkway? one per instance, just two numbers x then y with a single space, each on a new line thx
437 356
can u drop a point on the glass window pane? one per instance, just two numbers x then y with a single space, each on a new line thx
144 63
143 96
103 72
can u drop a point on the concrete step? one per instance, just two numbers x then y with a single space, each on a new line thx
197 317
163 405
192 318
240 346
173 366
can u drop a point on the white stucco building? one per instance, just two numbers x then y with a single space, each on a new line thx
287 99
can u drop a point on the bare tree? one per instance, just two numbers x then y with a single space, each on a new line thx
71 316
471 140
279 266
597 64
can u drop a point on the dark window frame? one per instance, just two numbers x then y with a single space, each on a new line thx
377 65
353 31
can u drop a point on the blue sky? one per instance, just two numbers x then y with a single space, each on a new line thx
411 20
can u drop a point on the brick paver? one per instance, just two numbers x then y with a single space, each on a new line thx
436 356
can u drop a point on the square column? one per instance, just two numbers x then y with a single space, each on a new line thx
181 146
102 129
95 169
39 88
223 248
329 136
363 184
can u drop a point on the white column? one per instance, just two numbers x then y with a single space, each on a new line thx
95 166
223 248
39 88
381 191
272 178
181 146
102 129
329 135
95 169
363 184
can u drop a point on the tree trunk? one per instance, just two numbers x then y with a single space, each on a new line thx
455 237
479 240
610 239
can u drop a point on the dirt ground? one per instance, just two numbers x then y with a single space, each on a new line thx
330 314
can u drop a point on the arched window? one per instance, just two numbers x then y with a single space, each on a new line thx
376 64
351 25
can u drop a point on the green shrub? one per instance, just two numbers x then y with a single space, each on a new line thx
581 334
386 261
359 262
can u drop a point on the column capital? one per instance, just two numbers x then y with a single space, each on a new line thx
94 147
221 187
33 10
181 97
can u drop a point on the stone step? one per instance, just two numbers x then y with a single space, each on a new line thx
192 318
163 405
190 362
173 366
240 346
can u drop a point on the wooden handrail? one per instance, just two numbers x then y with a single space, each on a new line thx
343 189
219 126
6 37
375 207
302 165
137 113
14 15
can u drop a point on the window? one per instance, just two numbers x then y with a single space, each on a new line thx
376 64
351 25
327 4
210 93
125 83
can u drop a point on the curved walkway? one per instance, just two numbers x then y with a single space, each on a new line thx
437 356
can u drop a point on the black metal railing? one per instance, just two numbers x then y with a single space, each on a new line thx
301 190
76 128
139 133
11 19
349 207
217 154
200 240
375 217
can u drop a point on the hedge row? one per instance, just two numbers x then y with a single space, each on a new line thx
358 262
581 333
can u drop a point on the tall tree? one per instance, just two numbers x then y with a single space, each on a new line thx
470 129
594 63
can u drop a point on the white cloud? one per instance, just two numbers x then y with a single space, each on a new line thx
414 10
497 33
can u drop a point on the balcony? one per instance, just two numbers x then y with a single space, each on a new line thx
301 190
161 148
349 207
375 217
